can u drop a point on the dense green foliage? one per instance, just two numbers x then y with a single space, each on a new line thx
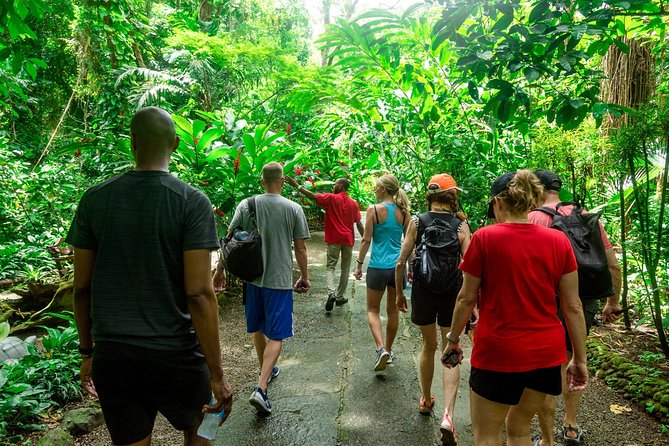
40 382
474 88
471 87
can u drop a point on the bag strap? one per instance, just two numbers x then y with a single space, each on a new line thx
252 209
577 209
547 210
377 214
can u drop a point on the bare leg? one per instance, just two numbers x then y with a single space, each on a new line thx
546 420
373 307
191 438
519 417
487 420
259 342
393 318
450 379
270 357
572 400
426 364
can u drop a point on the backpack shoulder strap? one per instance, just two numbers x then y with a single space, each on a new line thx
252 210
577 209
547 210
376 213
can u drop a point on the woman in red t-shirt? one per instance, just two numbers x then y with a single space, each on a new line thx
519 342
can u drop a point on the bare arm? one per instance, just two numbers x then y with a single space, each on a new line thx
84 262
300 189
407 248
203 308
303 283
613 302
361 228
577 371
365 243
465 236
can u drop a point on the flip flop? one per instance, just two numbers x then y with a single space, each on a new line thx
423 407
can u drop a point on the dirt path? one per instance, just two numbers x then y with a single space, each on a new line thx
327 393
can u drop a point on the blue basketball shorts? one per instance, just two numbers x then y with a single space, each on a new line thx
269 311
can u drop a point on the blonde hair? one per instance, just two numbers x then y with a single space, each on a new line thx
392 187
524 192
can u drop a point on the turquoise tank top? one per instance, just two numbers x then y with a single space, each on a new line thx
386 241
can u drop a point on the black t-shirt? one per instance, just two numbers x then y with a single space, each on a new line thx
140 223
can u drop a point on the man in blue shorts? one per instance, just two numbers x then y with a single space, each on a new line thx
144 303
269 298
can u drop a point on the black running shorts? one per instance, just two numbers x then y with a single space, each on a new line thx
428 307
378 279
136 383
508 387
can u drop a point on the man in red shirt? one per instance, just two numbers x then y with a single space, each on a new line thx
341 214
572 433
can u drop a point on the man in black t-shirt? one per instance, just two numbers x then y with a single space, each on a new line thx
144 303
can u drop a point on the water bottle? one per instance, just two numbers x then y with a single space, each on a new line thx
209 424
241 235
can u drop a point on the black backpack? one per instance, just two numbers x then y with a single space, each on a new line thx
242 254
582 230
437 255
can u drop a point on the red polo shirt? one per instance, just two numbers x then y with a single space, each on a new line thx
341 214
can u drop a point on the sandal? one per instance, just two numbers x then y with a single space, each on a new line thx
569 440
448 437
423 407
536 439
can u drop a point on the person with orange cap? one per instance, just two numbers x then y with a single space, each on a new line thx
440 238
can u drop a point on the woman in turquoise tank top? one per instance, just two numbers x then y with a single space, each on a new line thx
385 223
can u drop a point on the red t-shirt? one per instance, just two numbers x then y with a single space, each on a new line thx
341 214
543 219
520 267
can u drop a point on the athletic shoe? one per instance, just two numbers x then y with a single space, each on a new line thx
260 401
341 301
274 374
382 357
391 358
330 303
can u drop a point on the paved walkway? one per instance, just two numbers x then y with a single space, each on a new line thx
327 393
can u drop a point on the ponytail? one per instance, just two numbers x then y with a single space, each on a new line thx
392 186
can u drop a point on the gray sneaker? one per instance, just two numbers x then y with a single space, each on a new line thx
274 374
260 401
330 303
341 301
382 357
391 358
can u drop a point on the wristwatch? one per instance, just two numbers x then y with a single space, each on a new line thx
451 339
85 352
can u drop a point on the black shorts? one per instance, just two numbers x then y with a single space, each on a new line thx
378 279
428 307
590 310
136 383
508 387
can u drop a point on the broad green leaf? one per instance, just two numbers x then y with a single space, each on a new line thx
503 23
4 331
538 11
183 123
208 137
31 70
249 144
198 126
473 90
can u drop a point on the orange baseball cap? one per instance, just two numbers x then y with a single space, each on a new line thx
441 183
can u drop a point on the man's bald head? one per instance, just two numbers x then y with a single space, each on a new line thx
153 133
272 173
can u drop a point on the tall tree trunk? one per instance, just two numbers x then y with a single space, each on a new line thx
326 21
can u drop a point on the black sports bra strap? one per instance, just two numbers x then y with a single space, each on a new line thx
377 215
